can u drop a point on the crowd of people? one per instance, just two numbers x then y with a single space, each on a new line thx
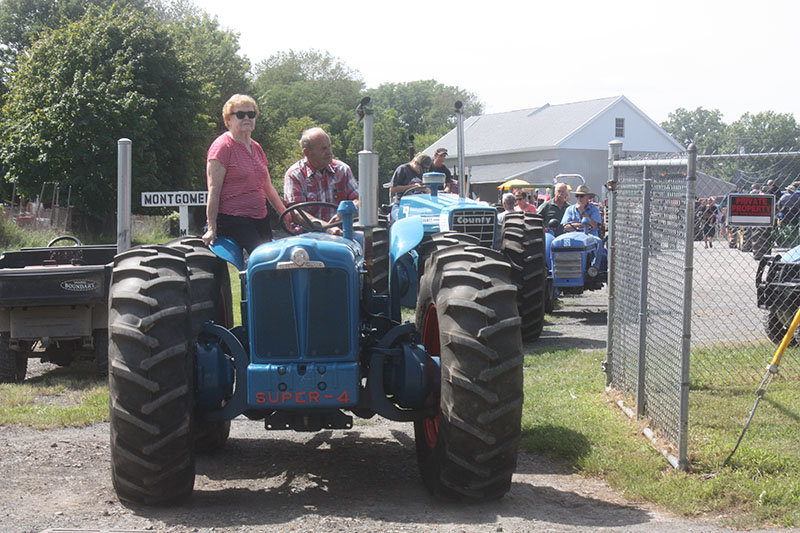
239 185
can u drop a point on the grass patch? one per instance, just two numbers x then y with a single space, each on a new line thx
12 237
59 398
569 417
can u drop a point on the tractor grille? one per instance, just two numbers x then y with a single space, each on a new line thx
300 313
479 223
567 265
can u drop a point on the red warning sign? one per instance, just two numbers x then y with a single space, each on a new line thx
751 209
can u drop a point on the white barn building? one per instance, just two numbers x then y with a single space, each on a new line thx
537 144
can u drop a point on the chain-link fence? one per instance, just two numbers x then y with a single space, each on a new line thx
694 299
731 315
649 291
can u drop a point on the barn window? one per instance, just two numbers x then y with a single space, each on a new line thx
619 130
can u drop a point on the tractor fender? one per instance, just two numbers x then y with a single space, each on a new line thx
406 234
226 249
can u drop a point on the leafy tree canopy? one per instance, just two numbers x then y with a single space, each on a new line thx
114 73
703 127
424 106
305 84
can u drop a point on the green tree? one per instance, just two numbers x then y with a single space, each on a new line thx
213 68
766 131
424 106
701 126
21 21
114 73
310 84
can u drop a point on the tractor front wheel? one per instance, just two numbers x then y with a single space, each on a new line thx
466 313
151 377
210 300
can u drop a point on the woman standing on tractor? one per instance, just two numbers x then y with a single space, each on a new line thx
238 180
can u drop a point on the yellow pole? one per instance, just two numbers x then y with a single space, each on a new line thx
786 339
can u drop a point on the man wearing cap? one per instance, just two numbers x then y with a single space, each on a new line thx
450 185
409 175
574 215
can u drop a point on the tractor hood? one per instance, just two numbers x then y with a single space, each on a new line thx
438 211
330 250
576 241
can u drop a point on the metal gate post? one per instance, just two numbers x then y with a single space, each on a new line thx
614 153
645 257
683 431
123 195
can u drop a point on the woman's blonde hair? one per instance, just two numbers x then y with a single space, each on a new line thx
237 99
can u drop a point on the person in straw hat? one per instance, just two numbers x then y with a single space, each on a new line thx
574 215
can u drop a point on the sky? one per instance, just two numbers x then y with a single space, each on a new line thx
731 55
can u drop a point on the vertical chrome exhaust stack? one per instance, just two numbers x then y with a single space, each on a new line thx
367 170
462 178
367 185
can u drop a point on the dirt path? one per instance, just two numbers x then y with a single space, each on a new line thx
361 480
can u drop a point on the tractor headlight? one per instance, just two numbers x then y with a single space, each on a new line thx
592 271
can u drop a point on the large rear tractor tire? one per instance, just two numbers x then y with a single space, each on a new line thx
210 299
380 257
13 365
467 315
100 338
151 377
522 242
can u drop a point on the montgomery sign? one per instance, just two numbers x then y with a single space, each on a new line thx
174 198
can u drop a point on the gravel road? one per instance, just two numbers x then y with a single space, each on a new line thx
361 480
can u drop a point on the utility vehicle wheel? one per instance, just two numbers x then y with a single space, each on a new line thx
775 329
522 242
100 337
467 316
13 365
210 299
151 376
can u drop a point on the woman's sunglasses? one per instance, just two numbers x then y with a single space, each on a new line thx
241 114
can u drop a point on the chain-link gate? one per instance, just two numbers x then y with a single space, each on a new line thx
650 289
686 285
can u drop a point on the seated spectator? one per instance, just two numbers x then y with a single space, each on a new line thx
522 202
574 215
508 207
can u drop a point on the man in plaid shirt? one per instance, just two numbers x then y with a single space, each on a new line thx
319 178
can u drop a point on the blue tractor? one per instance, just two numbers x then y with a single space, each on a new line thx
317 347
577 260
449 219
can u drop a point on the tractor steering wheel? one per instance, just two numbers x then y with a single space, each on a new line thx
417 189
75 241
311 225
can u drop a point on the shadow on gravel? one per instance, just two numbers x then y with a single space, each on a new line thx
268 481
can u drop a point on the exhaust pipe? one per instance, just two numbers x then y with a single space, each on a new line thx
462 178
367 170
367 186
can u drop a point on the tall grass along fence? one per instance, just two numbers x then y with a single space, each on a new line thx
685 310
